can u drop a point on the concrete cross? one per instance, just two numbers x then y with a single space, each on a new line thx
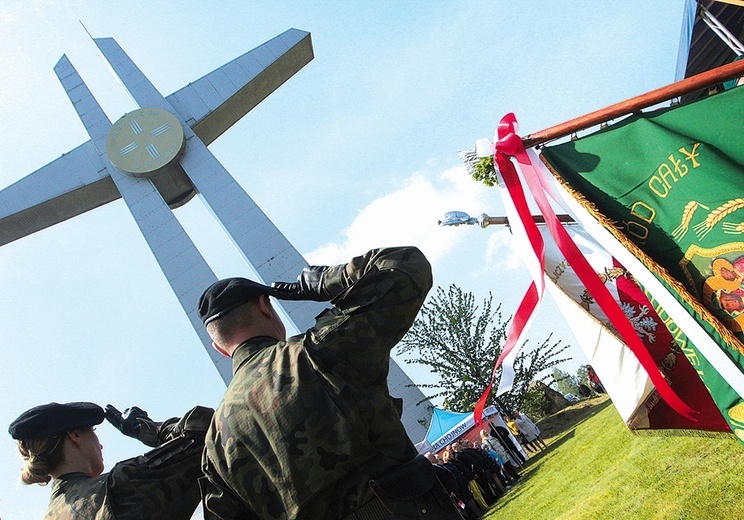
156 158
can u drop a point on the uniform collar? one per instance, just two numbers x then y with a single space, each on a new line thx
248 348
60 484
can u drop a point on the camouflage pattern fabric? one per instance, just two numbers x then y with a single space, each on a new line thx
162 484
306 423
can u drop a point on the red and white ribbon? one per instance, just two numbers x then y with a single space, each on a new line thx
509 144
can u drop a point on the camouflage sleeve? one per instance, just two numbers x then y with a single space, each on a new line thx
163 480
218 501
78 494
384 291
408 260
196 420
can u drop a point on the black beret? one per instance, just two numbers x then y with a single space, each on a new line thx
53 419
225 295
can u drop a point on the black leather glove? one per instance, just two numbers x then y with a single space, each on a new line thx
309 286
135 423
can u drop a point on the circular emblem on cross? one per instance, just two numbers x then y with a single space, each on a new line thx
143 142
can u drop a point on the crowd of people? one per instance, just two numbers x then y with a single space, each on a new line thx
526 431
476 473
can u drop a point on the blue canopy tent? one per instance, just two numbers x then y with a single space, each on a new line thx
446 426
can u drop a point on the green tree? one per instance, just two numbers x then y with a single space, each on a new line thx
564 382
535 404
528 366
460 342
581 375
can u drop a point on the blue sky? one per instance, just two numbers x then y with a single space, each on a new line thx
358 150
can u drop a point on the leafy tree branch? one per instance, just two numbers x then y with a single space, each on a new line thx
459 341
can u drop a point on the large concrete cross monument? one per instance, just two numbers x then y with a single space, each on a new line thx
156 159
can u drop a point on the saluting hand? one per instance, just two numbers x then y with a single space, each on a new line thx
309 286
135 423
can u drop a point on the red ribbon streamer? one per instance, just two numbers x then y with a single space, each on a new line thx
510 144
532 297
524 311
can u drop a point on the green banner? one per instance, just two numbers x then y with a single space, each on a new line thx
728 402
670 184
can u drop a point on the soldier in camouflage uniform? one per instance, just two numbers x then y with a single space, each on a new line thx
58 441
307 429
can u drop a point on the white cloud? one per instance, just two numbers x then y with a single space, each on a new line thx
409 216
501 255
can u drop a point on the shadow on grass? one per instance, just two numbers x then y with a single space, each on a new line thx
555 425
557 429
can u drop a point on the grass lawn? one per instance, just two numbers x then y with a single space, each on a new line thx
595 468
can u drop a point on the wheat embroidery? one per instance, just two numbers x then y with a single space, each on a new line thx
733 229
715 216
687 214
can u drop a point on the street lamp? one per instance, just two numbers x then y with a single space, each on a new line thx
456 218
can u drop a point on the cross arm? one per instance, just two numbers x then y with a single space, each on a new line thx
66 187
215 102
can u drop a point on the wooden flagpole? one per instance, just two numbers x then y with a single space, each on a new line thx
710 77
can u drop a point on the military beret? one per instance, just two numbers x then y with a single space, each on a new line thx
52 419
225 295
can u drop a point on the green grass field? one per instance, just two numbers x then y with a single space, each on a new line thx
595 468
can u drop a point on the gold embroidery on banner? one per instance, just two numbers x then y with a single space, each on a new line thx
726 335
709 268
687 215
660 184
717 215
733 229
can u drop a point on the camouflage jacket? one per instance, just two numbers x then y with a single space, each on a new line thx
161 484
307 422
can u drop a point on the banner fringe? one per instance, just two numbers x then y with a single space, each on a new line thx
726 334
683 433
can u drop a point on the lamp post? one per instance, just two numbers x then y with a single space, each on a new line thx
457 218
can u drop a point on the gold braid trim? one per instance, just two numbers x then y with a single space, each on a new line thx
731 340
683 433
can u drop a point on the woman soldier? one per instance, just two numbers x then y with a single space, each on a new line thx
58 441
